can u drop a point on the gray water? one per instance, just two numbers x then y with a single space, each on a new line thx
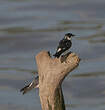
29 26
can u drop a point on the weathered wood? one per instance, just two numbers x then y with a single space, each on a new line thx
51 72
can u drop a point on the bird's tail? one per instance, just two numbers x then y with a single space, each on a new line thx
33 84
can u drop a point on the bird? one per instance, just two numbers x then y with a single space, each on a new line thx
64 45
29 87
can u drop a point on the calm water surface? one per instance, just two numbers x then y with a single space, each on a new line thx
27 27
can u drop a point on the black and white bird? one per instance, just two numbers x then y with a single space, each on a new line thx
29 87
64 45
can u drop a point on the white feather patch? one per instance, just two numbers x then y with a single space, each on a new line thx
59 50
30 84
37 86
68 38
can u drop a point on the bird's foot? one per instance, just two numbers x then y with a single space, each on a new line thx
64 57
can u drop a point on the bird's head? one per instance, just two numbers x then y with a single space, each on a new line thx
68 36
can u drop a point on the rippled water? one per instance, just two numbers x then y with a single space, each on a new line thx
27 27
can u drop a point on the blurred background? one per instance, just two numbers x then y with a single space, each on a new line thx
29 26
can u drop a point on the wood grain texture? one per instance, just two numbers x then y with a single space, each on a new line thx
52 72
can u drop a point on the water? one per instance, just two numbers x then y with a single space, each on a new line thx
27 27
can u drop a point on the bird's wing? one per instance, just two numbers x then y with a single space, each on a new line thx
62 45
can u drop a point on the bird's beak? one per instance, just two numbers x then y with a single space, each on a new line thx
73 35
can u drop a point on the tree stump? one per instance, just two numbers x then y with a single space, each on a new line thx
52 72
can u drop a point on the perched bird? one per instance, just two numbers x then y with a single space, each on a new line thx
64 45
33 84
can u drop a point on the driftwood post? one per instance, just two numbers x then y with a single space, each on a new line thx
51 72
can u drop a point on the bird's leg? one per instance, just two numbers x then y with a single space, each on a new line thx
64 56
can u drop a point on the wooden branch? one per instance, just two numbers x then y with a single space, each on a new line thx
52 72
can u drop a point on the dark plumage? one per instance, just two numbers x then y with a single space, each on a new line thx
64 45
